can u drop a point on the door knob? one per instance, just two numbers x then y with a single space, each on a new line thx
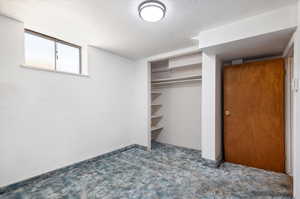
227 113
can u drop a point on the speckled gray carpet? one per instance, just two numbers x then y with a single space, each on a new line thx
167 172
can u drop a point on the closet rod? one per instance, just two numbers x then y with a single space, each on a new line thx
162 70
176 81
172 79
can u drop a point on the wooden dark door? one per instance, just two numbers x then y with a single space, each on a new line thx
254 114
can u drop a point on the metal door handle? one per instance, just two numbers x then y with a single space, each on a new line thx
227 113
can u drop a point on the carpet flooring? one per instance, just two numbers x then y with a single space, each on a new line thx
167 172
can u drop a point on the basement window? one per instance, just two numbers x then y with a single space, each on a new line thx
51 54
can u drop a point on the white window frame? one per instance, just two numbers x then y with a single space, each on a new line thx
55 40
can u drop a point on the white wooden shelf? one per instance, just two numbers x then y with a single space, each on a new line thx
176 82
176 79
154 129
156 93
185 60
156 105
170 69
156 116
161 70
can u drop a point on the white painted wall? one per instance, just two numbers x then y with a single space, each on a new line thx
296 113
296 118
141 118
211 141
218 111
50 120
181 110
288 114
273 21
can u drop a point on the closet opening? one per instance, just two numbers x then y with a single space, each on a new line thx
176 101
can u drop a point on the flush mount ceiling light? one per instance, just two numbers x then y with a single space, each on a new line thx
152 10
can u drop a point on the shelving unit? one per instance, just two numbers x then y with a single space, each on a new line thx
155 118
176 72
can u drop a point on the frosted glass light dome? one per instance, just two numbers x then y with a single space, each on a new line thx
152 11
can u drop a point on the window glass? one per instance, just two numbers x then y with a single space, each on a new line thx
39 52
68 58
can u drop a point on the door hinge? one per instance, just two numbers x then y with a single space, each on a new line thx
295 85
237 62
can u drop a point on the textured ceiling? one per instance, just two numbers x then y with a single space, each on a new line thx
114 24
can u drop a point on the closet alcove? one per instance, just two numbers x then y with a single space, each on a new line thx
176 101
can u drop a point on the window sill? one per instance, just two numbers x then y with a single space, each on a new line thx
52 71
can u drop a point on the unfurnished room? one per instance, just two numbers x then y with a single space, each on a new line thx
149 99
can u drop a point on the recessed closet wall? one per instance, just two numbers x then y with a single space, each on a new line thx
176 101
